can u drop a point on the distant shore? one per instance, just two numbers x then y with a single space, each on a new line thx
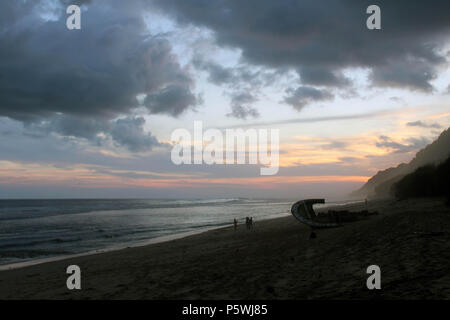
409 240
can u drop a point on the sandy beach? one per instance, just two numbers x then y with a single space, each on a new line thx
409 240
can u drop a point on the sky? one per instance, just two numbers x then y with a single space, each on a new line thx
90 113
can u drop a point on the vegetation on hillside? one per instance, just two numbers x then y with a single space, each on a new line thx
426 181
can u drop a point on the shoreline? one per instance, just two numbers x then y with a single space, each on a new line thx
156 240
119 247
408 240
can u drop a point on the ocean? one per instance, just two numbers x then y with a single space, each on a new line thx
35 230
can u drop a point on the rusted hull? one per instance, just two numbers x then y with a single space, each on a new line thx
303 211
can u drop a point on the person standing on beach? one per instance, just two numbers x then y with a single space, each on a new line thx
235 224
247 222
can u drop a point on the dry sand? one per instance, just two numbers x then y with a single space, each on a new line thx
409 240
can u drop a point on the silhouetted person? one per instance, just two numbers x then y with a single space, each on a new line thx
250 223
247 222
235 224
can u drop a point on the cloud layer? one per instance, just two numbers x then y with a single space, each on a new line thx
79 82
410 144
423 124
321 39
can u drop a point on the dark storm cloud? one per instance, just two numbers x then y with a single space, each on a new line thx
243 98
243 112
302 96
411 144
237 79
240 106
217 74
70 125
319 39
47 71
172 100
416 76
76 2
129 132
234 76
125 132
424 124
322 77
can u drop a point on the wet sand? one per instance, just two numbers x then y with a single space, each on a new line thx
409 240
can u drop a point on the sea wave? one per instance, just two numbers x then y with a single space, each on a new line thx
35 229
